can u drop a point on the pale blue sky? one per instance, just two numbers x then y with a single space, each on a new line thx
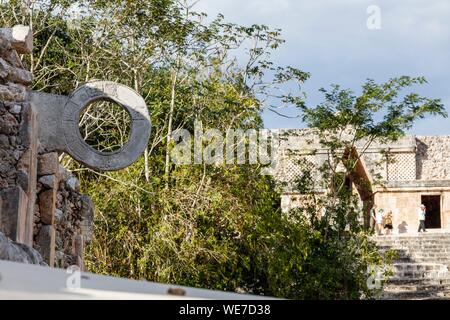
330 39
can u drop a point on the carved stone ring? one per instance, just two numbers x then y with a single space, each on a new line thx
58 122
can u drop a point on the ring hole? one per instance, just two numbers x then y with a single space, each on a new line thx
105 125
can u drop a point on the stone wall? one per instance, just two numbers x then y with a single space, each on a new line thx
41 206
433 157
410 158
74 217
18 137
300 150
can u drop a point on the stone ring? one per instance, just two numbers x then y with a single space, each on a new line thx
58 118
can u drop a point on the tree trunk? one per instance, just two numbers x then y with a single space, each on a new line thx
169 127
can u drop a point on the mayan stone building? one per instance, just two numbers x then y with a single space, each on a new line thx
401 175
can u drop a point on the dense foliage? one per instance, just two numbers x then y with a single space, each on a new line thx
212 226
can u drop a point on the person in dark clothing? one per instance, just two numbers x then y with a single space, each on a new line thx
388 223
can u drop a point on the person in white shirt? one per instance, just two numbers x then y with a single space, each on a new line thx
421 216
379 220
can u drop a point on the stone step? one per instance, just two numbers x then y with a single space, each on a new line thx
411 246
413 236
415 288
423 257
415 241
418 282
412 266
417 244
412 249
416 295
422 239
423 252
405 253
430 232
418 289
430 256
421 267
412 270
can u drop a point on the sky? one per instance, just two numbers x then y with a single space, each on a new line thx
331 40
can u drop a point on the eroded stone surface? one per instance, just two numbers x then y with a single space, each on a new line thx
87 214
13 208
47 207
48 164
73 184
12 92
13 251
40 202
48 181
20 38
45 242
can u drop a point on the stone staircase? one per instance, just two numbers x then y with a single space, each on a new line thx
421 269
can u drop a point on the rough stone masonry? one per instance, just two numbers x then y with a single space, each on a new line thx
44 219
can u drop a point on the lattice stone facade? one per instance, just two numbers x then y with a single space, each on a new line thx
411 171
401 167
292 168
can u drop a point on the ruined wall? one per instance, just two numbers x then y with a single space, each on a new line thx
40 203
18 138
62 216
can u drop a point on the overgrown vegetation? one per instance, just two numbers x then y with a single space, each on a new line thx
210 226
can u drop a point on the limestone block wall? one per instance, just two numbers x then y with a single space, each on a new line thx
433 157
18 137
42 212
404 209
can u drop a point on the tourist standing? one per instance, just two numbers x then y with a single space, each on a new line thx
388 223
421 215
379 220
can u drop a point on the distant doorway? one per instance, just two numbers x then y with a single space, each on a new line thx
433 207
